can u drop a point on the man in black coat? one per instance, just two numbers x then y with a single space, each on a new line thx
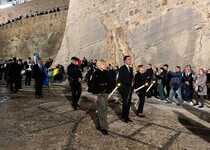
125 78
21 67
38 75
75 77
14 72
187 86
28 72
167 80
6 71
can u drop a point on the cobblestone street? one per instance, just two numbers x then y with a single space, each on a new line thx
51 123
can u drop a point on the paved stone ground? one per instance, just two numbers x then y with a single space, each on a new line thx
51 123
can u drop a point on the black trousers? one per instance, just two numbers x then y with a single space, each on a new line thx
19 80
14 84
141 102
155 89
199 98
168 88
76 90
1 74
8 80
208 92
126 100
38 87
28 78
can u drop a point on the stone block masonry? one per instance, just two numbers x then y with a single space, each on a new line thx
152 31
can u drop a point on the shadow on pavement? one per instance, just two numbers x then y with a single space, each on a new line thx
202 114
195 127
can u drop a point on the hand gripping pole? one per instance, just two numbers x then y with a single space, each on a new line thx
153 82
115 89
141 87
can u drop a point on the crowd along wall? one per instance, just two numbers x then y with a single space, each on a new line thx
22 37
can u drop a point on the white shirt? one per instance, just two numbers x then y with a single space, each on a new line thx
128 67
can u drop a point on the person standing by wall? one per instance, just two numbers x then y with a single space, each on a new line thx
14 74
140 80
28 72
75 77
21 73
125 78
187 87
150 75
38 75
200 87
167 80
161 75
175 86
100 87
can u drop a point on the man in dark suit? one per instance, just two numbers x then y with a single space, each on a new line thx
125 78
21 67
75 77
38 75
14 72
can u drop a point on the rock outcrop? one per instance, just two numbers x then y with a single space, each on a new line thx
152 31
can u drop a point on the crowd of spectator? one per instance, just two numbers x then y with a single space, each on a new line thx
171 86
31 15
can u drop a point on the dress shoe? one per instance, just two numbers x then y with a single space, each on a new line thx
104 132
98 128
141 115
128 120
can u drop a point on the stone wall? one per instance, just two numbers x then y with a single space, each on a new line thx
152 31
44 32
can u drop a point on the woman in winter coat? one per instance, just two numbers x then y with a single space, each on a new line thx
187 86
100 87
200 87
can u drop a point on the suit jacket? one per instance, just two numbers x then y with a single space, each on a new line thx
74 72
38 73
14 71
125 78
